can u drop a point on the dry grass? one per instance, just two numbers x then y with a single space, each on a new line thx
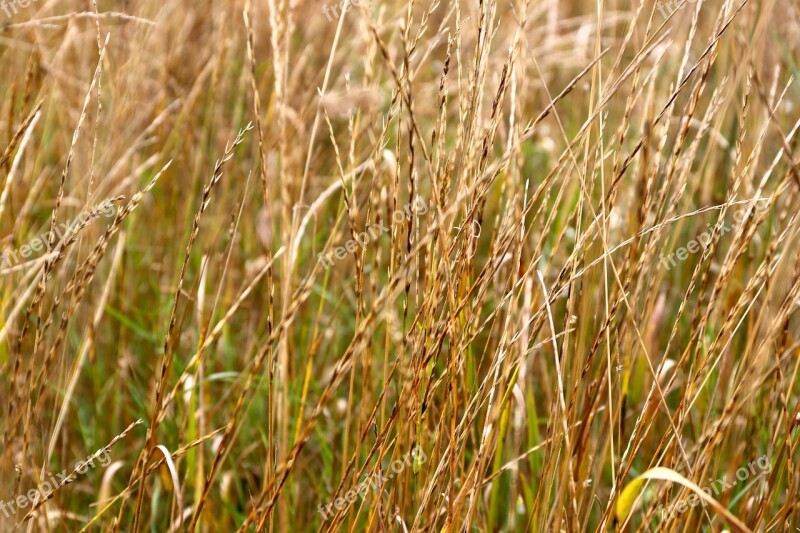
527 331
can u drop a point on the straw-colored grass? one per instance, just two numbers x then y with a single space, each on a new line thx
212 275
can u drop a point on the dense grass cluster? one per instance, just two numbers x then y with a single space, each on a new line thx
590 326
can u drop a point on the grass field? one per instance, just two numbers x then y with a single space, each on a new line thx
528 265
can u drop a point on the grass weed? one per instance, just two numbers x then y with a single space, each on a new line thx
171 172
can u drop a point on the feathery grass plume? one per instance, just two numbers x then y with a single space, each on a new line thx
166 362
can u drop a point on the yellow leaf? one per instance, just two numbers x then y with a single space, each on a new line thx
629 494
627 498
